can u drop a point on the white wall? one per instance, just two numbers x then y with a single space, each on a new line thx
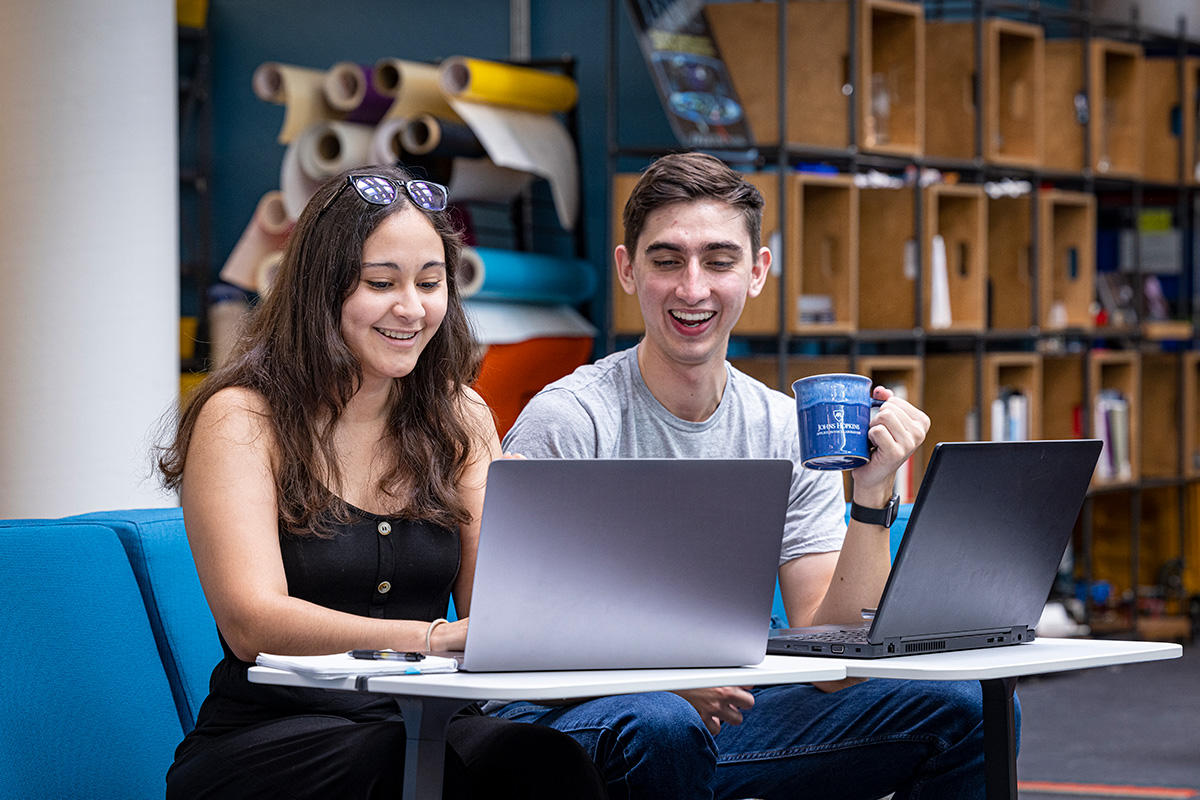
89 268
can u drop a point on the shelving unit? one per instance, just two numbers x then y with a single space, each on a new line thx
1071 104
195 207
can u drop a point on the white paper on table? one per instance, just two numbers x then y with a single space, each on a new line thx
341 665
529 142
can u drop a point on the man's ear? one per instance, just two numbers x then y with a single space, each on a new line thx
759 272
624 269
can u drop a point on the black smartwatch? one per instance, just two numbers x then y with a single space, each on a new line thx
877 516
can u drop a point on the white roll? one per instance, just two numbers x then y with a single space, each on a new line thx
89 291
385 140
327 148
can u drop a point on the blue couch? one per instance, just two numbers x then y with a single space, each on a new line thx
108 645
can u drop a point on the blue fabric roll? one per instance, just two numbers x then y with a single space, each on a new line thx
493 274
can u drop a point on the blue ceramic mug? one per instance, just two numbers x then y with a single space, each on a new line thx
833 413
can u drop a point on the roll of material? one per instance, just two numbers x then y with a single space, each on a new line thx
349 89
300 90
481 180
265 271
531 142
327 148
264 235
386 145
413 87
425 134
508 323
498 84
492 274
322 150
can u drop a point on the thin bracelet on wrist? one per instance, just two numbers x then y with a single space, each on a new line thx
429 632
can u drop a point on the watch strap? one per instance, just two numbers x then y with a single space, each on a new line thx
877 516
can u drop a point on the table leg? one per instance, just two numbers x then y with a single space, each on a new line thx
425 721
1000 738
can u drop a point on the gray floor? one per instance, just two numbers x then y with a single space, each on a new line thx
1131 725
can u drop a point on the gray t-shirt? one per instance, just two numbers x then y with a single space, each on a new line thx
605 410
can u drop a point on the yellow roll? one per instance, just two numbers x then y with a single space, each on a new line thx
506 85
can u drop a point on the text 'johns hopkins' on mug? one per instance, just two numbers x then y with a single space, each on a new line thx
833 413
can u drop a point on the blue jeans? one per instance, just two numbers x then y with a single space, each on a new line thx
919 739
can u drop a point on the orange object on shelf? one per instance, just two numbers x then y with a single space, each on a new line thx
513 373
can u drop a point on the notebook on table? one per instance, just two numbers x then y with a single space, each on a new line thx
979 555
626 563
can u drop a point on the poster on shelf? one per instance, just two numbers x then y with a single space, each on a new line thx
692 81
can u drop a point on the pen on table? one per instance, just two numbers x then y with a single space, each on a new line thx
385 655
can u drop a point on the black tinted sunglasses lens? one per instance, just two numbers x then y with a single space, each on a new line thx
374 189
429 196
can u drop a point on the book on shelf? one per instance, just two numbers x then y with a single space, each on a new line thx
1111 423
1010 416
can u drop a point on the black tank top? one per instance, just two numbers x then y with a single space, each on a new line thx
373 566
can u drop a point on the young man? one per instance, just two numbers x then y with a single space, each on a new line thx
693 256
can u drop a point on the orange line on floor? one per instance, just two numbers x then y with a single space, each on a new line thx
1103 790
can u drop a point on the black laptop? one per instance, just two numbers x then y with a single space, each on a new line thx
978 558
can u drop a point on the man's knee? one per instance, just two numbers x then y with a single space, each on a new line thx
665 723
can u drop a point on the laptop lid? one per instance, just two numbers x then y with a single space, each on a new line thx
981 549
626 563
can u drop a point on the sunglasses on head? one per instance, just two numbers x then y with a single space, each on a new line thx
379 190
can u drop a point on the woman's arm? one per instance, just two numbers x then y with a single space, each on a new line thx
231 515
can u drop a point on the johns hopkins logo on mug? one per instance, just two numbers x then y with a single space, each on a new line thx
833 413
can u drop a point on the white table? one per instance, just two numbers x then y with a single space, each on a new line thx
427 702
997 670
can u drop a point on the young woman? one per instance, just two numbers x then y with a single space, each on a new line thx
332 477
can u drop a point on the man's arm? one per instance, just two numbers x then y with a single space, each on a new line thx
553 425
835 587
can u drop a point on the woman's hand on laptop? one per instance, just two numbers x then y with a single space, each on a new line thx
719 704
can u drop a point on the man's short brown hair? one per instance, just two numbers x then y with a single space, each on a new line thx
687 177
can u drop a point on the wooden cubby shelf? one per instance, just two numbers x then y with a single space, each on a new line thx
1014 380
1117 372
1114 104
1009 264
1162 441
1166 123
958 215
891 71
817 67
1067 268
904 375
887 265
1014 85
1190 435
1014 63
950 400
822 254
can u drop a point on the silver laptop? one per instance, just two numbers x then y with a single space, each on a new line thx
626 563
978 557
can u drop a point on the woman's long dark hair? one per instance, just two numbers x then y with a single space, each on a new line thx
292 353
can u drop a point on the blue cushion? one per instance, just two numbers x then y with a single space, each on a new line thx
85 706
779 615
157 546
